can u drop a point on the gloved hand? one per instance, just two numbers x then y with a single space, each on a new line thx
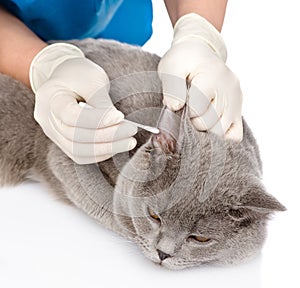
60 76
195 66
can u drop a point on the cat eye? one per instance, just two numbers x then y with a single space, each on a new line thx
200 238
153 215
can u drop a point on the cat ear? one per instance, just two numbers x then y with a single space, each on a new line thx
256 202
260 201
166 142
170 125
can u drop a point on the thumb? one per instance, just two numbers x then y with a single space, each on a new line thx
174 91
100 99
235 132
102 102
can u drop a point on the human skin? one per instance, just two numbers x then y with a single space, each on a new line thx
19 44
18 47
211 10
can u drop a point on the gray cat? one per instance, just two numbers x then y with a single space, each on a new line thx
185 197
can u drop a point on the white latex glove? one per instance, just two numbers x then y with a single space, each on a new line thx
197 57
59 76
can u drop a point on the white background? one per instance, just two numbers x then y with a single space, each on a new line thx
44 243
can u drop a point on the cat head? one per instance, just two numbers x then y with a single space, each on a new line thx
189 198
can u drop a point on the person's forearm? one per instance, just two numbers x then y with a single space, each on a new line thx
18 46
212 10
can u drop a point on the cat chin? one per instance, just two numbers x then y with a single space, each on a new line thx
179 264
169 264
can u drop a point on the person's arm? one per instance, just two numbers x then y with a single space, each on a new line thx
59 75
193 70
18 46
212 10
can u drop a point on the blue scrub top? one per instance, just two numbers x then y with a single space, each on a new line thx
127 21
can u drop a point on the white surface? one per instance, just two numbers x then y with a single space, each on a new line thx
44 243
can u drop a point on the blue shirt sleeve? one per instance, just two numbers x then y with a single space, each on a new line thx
128 21
132 23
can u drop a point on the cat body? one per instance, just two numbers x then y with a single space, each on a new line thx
184 196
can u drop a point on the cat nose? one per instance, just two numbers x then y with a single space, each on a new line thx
162 255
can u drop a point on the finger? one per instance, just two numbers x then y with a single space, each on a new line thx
235 131
211 116
223 123
92 80
200 95
105 135
100 99
89 160
230 129
94 149
220 128
99 149
230 124
65 108
68 151
174 91
93 87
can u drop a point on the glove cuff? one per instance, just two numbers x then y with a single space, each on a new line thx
45 62
194 25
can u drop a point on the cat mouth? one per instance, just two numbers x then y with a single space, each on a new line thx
172 263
